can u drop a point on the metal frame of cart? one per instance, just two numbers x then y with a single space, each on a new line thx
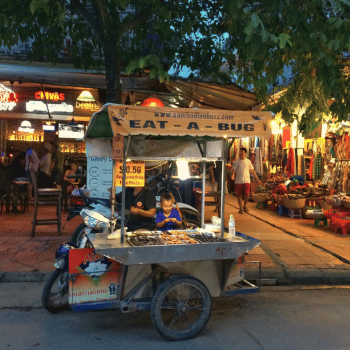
178 278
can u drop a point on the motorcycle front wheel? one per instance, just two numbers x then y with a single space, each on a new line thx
78 234
55 293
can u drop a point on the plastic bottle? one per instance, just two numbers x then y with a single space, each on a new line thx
231 227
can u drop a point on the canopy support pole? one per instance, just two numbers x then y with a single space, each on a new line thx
222 189
204 170
126 148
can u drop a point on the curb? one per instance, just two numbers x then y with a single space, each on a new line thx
35 276
299 276
269 277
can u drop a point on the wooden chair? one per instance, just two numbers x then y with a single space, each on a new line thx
46 196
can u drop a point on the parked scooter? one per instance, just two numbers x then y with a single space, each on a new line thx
81 200
55 293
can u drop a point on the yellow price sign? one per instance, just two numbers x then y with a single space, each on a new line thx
135 174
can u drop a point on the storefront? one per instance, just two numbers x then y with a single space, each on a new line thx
36 115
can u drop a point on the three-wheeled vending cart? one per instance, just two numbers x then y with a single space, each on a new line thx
174 274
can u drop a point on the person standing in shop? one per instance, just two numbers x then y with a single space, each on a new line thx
44 169
31 166
57 163
241 170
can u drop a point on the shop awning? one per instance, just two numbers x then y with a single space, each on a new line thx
126 120
179 92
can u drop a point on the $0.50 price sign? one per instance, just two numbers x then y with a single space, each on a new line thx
135 174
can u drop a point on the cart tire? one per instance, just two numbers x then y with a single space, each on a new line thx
55 293
181 307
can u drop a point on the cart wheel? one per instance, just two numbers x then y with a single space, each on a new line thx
181 307
55 293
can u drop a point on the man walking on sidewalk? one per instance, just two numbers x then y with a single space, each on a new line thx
242 168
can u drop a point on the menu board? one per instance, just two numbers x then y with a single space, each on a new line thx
135 174
99 176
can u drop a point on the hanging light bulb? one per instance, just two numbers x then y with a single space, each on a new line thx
152 102
13 97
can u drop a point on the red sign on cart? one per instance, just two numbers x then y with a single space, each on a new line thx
97 277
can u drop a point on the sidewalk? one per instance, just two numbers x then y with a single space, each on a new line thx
291 251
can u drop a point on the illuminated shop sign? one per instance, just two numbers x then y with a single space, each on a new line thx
8 99
88 105
52 96
85 96
38 106
86 101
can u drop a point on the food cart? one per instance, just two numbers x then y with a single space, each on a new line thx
146 270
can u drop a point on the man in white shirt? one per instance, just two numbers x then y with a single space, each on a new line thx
242 168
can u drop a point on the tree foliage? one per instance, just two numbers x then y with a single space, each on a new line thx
254 40
311 37
131 35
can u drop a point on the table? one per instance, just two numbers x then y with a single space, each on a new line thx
64 188
17 194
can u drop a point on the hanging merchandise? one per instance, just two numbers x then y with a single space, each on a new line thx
347 146
279 149
318 163
311 173
258 166
345 177
270 148
303 168
285 158
290 168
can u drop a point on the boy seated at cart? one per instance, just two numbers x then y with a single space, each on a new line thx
168 218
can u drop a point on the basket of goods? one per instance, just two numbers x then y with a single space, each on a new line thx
261 195
335 200
274 198
281 189
294 201
325 206
313 213
346 202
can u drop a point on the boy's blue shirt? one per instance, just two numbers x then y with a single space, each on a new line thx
169 225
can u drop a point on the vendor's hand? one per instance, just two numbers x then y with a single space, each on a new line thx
167 220
134 210
173 219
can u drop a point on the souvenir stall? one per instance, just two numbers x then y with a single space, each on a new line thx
314 182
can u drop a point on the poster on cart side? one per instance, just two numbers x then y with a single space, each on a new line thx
99 176
97 277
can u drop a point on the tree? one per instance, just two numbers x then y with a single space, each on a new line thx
311 37
131 35
254 40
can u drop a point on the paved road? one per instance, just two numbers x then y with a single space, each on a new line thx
276 318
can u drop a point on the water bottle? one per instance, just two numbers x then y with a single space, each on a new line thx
231 227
